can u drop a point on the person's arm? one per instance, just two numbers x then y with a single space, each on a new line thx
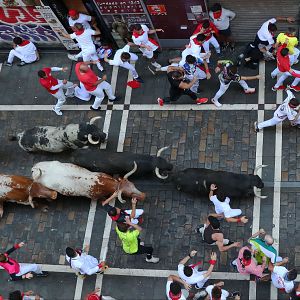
178 279
250 77
173 68
137 227
212 262
186 259
285 19
114 195
14 277
133 207
100 80
213 187
223 248
15 247
59 85
256 234
155 30
65 35
231 15
208 75
283 262
185 85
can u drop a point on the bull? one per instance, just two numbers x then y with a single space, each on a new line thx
58 139
122 162
198 181
22 190
71 180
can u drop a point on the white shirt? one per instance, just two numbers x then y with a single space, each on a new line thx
82 19
222 207
27 51
223 22
264 34
224 294
85 40
284 110
84 263
168 290
278 279
197 277
144 39
117 61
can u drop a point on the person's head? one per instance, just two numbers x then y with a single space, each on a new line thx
247 254
138 28
78 26
272 27
294 103
42 74
17 40
216 293
71 252
83 68
188 271
123 227
3 257
291 31
177 75
205 24
216 7
125 56
200 37
284 52
15 295
175 289
232 69
214 222
73 13
269 239
291 275
112 212
190 59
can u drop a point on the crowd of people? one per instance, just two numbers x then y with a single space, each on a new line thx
259 258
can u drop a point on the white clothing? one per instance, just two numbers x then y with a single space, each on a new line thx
212 40
82 93
27 268
224 207
25 53
223 22
224 294
278 279
59 95
82 19
144 39
294 57
196 278
117 61
85 41
31 298
99 93
283 77
264 34
182 297
84 264
138 213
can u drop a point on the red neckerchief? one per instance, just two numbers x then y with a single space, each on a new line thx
197 42
217 14
79 32
246 262
136 34
24 43
174 297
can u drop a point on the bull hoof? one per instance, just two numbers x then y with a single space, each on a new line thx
45 209
178 187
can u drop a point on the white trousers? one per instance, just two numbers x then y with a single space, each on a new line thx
13 53
27 268
283 77
138 213
82 93
224 87
99 93
90 55
233 212
272 122
294 57
213 41
60 96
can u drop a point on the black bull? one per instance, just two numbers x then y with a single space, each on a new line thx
198 181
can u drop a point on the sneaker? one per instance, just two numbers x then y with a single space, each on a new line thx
250 91
234 265
160 101
114 100
58 112
142 243
43 274
156 65
8 64
273 76
294 88
72 57
153 260
139 79
256 129
96 109
22 63
274 89
201 100
151 70
216 102
235 293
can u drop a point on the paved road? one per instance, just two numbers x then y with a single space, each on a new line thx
198 136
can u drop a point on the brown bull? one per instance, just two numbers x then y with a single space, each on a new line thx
22 190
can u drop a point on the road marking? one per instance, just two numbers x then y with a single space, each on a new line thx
87 240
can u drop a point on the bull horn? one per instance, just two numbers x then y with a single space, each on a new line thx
132 171
259 167
161 150
257 195
30 201
91 141
159 175
120 197
36 173
93 120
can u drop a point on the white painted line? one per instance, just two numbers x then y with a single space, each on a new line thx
1 67
87 241
128 89
261 83
123 131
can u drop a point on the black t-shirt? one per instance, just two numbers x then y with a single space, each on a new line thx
174 83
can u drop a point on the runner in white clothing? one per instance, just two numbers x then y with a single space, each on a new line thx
24 50
85 41
287 110
215 292
173 288
222 207
122 58
76 17
191 274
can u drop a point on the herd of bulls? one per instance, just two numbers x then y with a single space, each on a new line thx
89 171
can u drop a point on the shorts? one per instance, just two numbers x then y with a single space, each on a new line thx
225 32
257 41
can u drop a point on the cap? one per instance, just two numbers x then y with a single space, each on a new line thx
73 12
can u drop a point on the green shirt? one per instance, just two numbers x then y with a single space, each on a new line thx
129 240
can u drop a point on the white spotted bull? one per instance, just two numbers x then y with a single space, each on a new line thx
72 180
58 139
